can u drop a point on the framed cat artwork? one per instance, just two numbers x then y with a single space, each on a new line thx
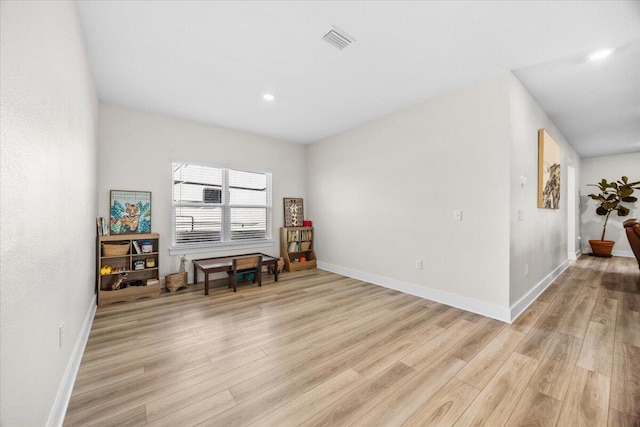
130 212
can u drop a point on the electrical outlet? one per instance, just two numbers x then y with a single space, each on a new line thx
520 215
60 334
418 264
526 269
457 215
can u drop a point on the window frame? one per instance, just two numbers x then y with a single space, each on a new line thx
225 243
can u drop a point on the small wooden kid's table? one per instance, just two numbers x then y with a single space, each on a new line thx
223 264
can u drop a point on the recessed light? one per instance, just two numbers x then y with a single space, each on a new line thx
600 54
268 97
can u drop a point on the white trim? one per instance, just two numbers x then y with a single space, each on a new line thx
59 410
230 246
571 210
626 254
574 256
523 303
464 303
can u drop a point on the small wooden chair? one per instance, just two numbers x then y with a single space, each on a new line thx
243 265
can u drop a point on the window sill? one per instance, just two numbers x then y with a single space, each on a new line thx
219 248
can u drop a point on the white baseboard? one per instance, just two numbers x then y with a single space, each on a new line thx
615 252
59 410
626 254
464 303
574 256
523 303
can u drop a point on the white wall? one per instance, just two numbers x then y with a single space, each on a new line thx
382 196
611 168
48 207
539 240
135 153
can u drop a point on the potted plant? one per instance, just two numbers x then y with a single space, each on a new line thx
611 196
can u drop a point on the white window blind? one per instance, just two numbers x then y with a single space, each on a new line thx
215 206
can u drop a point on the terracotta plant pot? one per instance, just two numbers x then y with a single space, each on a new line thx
601 248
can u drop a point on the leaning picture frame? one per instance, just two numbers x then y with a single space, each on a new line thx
293 212
130 212
549 157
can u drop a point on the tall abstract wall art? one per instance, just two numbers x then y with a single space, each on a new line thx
548 171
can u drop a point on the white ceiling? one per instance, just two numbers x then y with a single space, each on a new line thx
596 104
212 61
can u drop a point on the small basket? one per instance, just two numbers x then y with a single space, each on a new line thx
115 249
175 281
279 266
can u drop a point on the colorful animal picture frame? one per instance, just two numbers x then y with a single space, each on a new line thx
130 212
549 157
293 212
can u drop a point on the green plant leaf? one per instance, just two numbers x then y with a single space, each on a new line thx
612 194
625 192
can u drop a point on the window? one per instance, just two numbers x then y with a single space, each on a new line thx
215 206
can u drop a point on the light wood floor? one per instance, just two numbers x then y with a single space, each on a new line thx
316 348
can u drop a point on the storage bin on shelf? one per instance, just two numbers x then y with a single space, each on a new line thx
115 248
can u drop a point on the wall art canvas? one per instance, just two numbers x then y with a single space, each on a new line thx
130 212
548 171
293 212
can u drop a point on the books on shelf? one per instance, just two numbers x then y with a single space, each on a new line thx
136 246
296 248
299 240
299 246
103 226
299 235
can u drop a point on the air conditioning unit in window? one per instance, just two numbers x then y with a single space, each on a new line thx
212 195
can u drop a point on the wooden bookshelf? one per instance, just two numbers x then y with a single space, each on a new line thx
296 243
125 263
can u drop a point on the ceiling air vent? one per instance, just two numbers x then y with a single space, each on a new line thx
338 38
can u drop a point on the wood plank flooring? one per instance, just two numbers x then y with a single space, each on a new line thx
318 349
